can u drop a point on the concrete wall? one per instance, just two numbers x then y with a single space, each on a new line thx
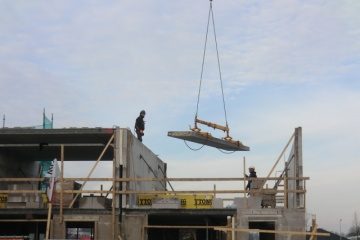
139 162
295 169
132 227
15 166
283 220
103 228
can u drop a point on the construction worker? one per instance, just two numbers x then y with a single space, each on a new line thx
252 175
140 125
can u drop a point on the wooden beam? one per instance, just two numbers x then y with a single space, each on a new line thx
21 179
151 179
91 171
23 220
182 192
22 191
282 153
270 231
167 227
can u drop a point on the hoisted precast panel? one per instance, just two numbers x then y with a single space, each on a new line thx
208 140
204 138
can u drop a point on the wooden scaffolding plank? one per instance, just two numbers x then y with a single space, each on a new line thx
208 140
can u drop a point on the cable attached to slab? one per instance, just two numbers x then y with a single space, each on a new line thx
199 147
194 148
218 60
225 152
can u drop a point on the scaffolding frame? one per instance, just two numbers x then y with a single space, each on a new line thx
117 192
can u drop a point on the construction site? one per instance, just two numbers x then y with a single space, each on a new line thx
39 201
141 203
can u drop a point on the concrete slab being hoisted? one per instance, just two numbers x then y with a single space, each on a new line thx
208 140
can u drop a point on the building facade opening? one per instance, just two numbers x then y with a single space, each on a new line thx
262 226
80 230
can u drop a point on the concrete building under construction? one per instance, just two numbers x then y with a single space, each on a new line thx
140 203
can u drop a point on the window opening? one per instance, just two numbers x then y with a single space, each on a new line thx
262 226
80 230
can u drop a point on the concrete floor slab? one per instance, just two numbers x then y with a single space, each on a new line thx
208 140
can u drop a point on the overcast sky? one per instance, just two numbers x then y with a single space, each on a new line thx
284 64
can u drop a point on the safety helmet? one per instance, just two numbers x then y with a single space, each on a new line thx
252 167
142 112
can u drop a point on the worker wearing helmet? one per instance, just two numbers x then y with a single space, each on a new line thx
251 175
140 125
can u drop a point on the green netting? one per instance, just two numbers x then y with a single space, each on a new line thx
45 165
48 124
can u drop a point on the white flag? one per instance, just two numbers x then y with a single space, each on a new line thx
52 174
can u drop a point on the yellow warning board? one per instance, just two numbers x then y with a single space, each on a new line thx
3 199
187 201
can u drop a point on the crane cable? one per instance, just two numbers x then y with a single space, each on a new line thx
218 60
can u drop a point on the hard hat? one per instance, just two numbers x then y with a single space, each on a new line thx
142 112
252 167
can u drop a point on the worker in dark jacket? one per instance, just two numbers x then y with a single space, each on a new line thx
252 175
140 125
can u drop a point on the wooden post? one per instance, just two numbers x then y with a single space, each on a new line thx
48 222
228 233
61 182
245 200
113 199
285 192
313 230
233 226
304 194
88 176
282 153
276 163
